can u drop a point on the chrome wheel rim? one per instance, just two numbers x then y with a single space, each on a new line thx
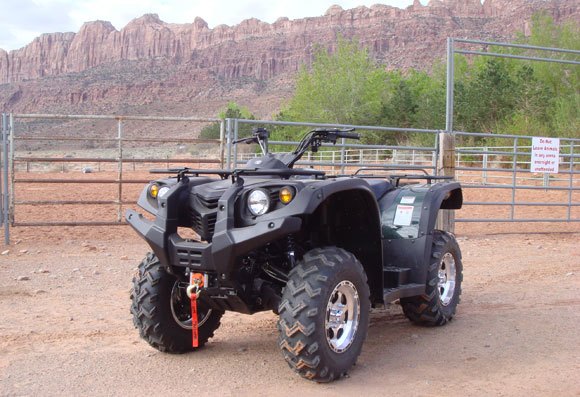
447 274
180 305
342 316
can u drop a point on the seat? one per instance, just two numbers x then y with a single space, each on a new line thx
379 186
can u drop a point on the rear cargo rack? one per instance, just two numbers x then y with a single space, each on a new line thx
388 168
396 178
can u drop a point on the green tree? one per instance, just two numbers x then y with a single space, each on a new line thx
231 111
344 87
486 94
491 94
413 100
558 84
399 110
429 92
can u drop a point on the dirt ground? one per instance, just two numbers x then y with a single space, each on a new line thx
65 327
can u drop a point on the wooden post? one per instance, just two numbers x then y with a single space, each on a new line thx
446 167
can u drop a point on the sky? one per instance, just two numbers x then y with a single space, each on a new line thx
23 20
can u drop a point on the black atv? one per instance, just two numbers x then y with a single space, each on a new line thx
318 250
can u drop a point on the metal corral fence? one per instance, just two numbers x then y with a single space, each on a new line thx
512 163
123 159
53 155
505 172
348 153
35 147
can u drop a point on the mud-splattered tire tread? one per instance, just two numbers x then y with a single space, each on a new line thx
427 309
150 307
302 335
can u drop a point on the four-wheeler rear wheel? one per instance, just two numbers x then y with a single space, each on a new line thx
444 275
324 314
162 310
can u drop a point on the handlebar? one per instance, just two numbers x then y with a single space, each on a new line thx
248 140
347 135
312 140
332 134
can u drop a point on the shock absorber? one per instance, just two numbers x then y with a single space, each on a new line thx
291 252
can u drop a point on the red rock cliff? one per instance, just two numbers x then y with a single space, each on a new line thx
400 38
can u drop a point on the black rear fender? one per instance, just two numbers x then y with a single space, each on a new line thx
444 196
408 217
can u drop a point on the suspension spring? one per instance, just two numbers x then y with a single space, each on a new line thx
291 252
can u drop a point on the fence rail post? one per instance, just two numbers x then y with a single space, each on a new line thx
236 137
2 176
222 146
514 179
342 156
12 191
5 205
571 182
485 165
450 85
120 171
229 144
446 167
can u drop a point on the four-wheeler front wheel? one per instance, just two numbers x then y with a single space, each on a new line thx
444 275
324 314
162 310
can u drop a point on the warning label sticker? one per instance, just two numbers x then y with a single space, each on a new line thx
403 215
407 199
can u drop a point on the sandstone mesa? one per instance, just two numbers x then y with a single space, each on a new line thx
253 51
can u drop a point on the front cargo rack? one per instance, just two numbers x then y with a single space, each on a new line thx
282 173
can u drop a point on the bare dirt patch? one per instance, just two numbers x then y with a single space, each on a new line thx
67 330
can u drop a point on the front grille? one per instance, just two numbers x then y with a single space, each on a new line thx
211 219
274 194
197 223
210 203
189 257
204 215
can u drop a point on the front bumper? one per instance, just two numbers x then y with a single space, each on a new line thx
218 256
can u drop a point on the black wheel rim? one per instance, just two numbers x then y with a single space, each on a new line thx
181 307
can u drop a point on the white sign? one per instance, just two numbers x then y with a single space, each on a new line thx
403 215
545 155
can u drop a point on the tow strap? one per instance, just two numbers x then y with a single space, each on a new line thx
194 331
195 285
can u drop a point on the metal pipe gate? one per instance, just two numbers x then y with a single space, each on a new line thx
11 177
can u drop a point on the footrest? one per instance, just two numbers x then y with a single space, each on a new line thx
394 277
403 291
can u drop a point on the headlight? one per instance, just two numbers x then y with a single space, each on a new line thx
162 191
258 202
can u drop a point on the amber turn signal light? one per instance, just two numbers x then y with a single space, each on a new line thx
153 190
286 194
